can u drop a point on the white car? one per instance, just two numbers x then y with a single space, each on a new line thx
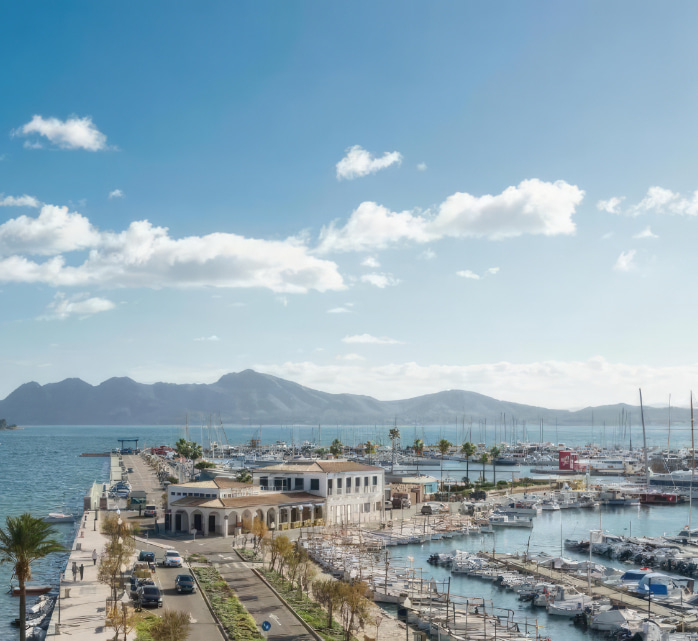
172 559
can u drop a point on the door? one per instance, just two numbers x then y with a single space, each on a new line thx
178 522
211 523
197 522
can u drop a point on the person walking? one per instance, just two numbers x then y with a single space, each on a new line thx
82 570
94 556
74 570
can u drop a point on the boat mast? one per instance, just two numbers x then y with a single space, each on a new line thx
644 443
693 471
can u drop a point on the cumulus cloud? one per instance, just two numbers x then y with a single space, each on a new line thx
560 384
144 255
658 200
422 166
207 339
359 162
54 231
350 357
117 193
367 339
532 207
467 273
370 261
380 280
73 133
625 261
19 201
63 307
646 233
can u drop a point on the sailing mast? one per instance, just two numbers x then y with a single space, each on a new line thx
644 444
693 471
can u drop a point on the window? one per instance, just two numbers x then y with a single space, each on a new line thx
365 481
329 487
278 484
378 506
298 484
357 482
264 481
375 481
314 484
339 486
367 507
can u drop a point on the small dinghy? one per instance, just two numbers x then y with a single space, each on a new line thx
59 517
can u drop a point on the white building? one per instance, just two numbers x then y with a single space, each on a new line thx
287 495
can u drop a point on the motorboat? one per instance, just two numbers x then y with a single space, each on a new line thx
615 619
510 520
59 517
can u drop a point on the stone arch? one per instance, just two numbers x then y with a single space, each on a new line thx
212 522
247 517
233 520
183 521
272 517
196 520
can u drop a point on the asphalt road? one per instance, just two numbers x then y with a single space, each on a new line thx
203 627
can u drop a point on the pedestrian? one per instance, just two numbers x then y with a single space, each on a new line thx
74 570
94 556
82 569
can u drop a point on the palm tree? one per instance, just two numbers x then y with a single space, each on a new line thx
394 435
24 540
443 446
418 446
484 459
494 454
370 449
336 448
467 449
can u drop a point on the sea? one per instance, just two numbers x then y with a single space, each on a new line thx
41 471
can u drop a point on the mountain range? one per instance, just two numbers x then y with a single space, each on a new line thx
249 397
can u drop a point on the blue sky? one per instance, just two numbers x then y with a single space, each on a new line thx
389 199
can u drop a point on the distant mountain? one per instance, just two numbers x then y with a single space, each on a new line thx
251 398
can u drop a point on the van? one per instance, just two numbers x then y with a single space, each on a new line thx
427 509
401 500
150 510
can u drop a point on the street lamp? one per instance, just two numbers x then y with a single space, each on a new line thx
272 527
95 523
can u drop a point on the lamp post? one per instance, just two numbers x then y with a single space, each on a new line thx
94 529
272 527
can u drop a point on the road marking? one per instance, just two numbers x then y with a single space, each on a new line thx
275 618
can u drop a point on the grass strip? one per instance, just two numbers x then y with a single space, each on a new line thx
237 621
310 611
144 626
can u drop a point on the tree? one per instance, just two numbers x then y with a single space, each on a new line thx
328 592
204 465
467 449
418 446
259 529
278 548
494 454
243 476
370 448
24 540
122 617
443 446
195 451
118 550
355 607
484 459
394 435
172 626
182 448
336 448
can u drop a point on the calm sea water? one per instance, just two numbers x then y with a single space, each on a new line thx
41 471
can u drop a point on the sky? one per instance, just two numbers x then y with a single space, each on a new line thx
389 199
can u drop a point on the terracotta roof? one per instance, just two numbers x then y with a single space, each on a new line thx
225 482
195 501
273 498
319 466
204 484
218 482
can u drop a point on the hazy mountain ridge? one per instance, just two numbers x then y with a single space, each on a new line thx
251 397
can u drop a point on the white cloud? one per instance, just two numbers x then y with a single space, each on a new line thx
54 231
147 256
74 133
607 235
370 261
380 280
610 206
422 166
532 207
207 339
28 144
19 201
658 200
359 162
646 233
467 273
367 339
625 261
427 254
63 307
561 384
339 310
350 357
117 193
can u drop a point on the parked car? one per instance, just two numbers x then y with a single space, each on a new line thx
150 510
388 505
427 509
149 596
401 502
148 557
172 559
185 583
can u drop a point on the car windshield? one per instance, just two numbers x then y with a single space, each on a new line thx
150 591
172 553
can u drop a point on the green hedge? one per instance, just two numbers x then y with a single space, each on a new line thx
236 620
